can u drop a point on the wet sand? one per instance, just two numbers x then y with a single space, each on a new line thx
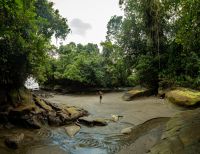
134 112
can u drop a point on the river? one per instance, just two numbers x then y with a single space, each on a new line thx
98 140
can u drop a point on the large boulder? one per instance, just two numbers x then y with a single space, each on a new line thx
14 141
75 112
136 92
181 135
184 97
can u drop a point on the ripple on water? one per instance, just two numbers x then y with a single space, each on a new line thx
98 140
89 140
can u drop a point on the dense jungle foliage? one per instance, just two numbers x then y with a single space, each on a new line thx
155 44
26 27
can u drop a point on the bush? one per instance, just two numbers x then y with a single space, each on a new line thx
133 79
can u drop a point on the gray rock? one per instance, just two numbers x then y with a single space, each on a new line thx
115 118
127 130
63 116
55 106
181 135
86 121
72 130
92 121
53 120
100 122
33 122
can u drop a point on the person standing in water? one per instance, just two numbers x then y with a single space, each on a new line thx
100 96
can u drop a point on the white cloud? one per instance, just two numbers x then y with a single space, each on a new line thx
79 27
96 13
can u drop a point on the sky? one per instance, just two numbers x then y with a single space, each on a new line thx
87 19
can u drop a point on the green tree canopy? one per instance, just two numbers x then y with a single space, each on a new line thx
25 32
156 39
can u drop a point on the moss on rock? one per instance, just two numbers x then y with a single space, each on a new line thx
75 112
18 96
24 107
136 92
184 97
42 104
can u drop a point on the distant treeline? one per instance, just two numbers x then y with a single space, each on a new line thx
84 66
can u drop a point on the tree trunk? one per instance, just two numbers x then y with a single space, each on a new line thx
14 96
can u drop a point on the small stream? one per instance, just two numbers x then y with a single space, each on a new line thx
90 140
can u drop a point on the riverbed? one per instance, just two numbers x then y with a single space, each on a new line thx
149 113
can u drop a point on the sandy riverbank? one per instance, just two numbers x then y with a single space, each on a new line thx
134 112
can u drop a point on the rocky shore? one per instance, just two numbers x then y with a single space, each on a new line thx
39 113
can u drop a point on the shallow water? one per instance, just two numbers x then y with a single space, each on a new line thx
90 140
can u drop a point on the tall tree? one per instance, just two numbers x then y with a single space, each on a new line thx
25 32
114 28
183 66
156 37
143 37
